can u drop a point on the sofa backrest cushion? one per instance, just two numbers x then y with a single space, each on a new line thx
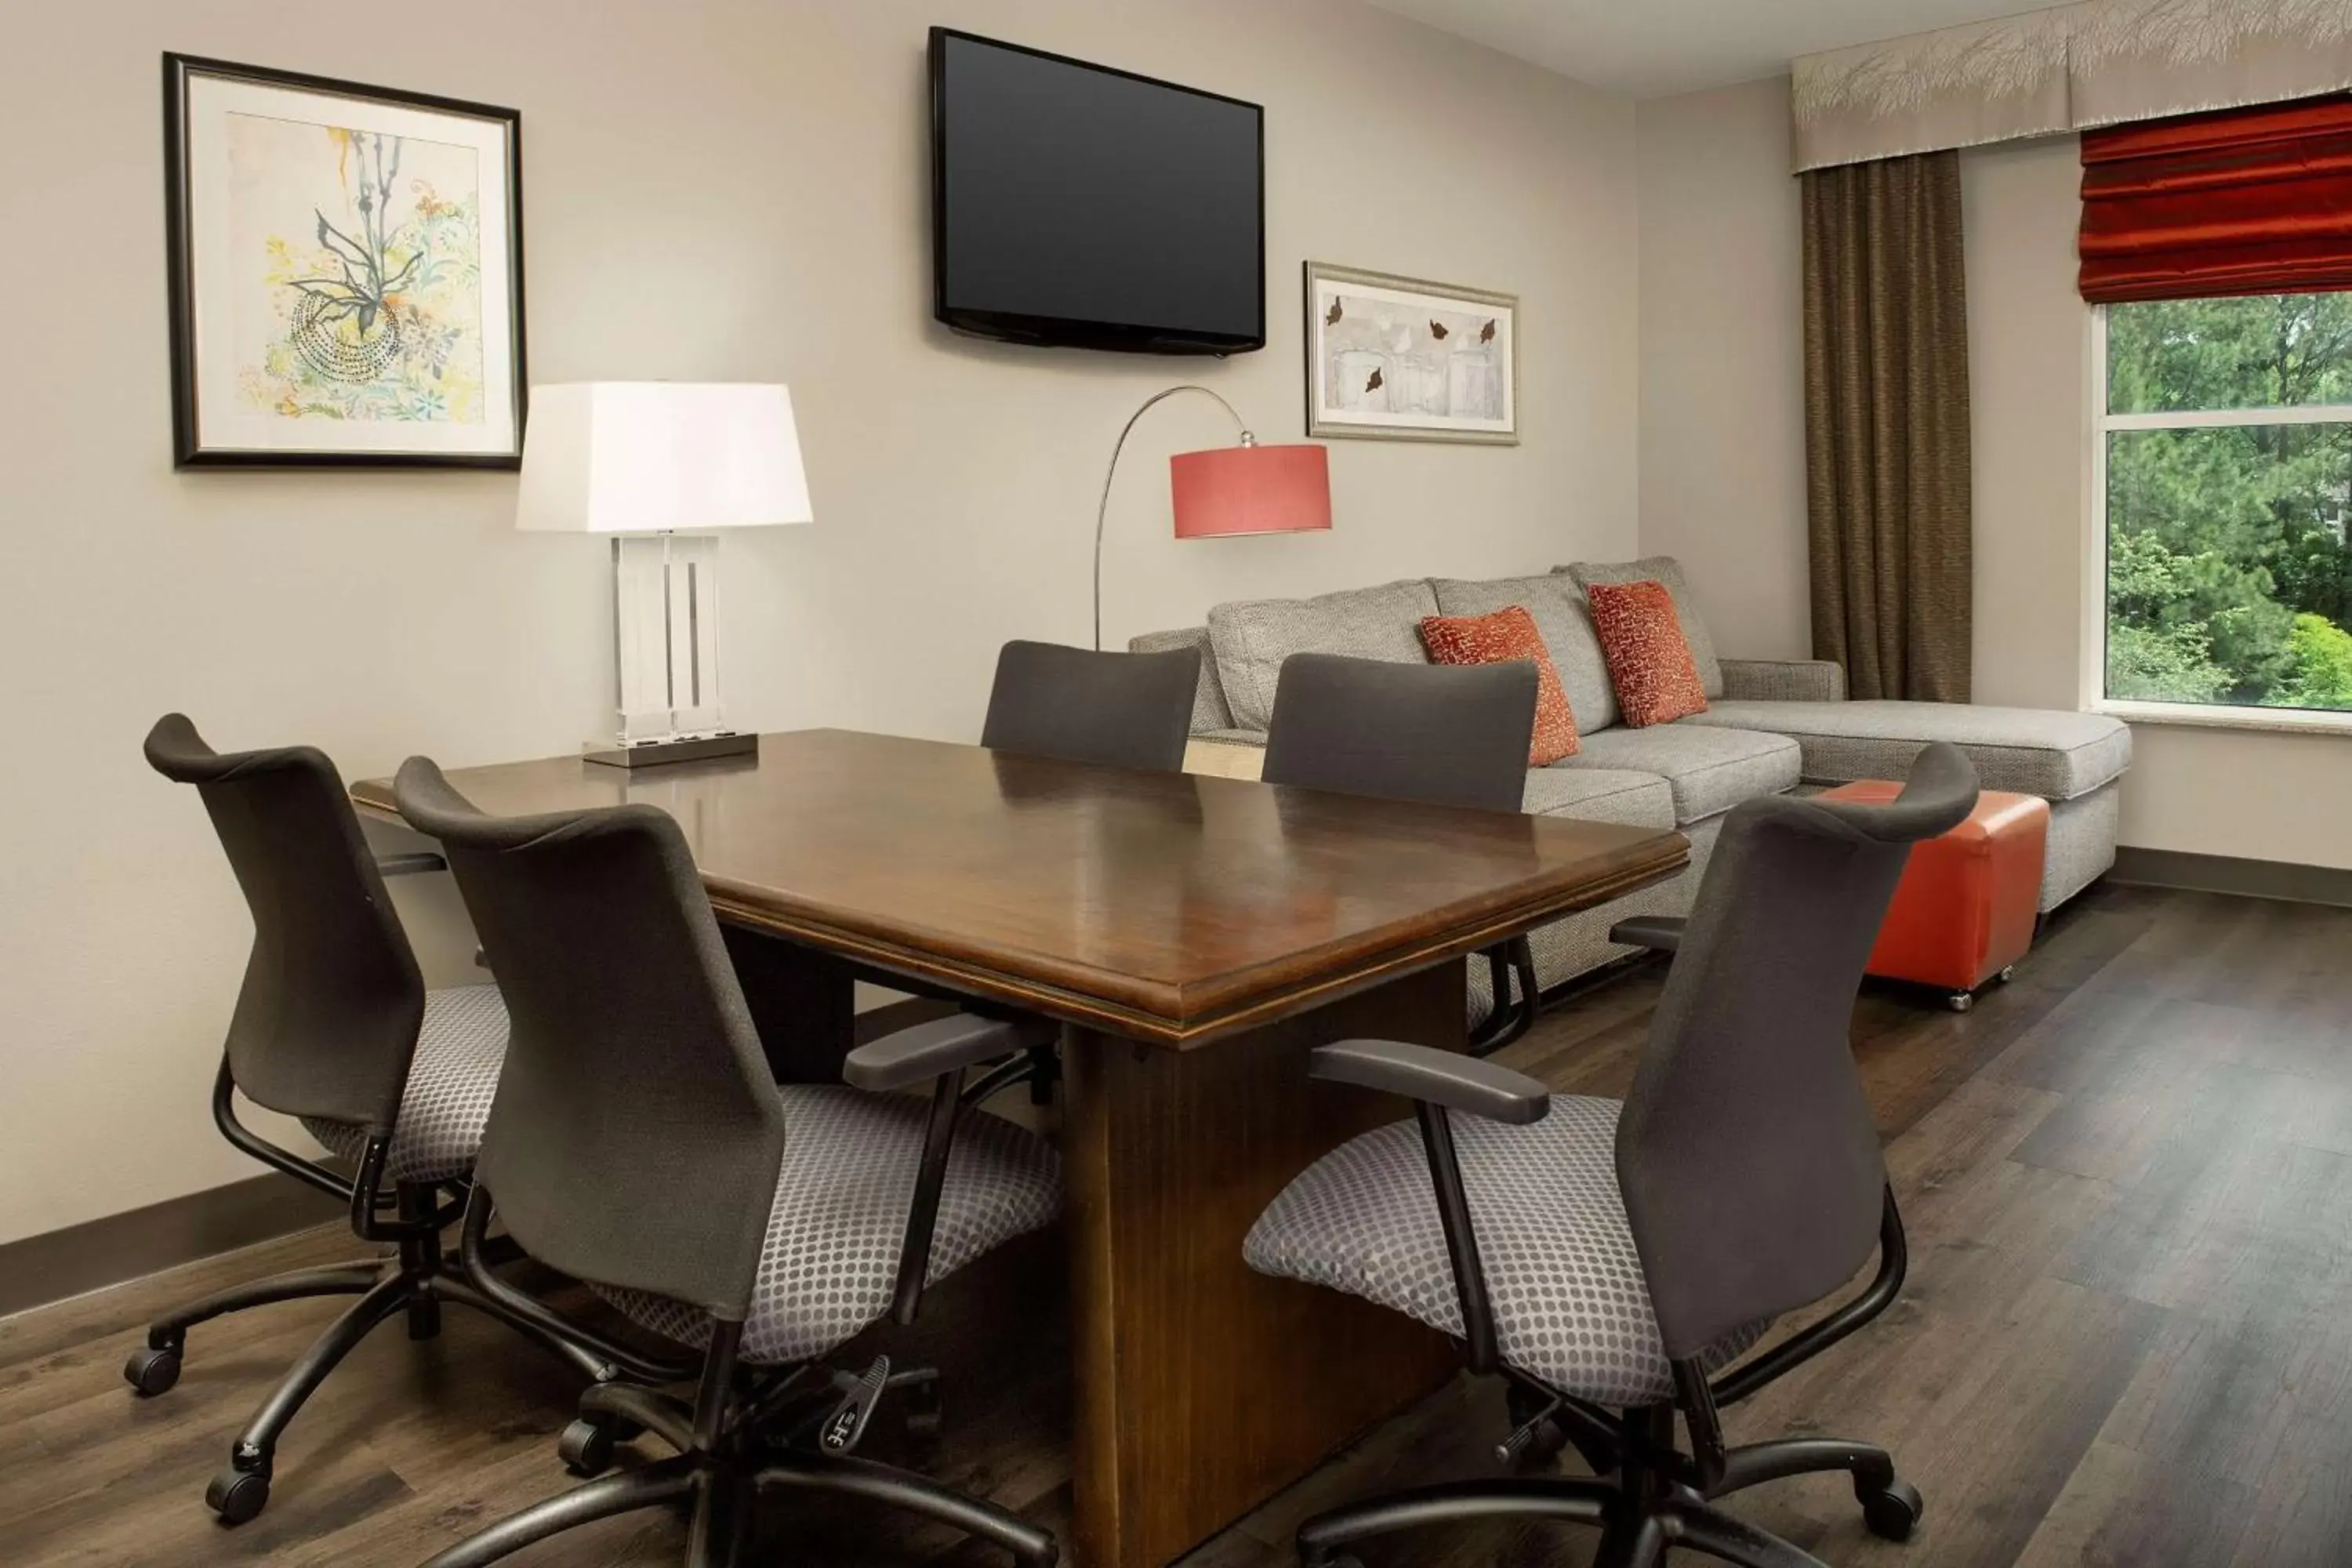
1251 637
1209 710
1565 621
1662 568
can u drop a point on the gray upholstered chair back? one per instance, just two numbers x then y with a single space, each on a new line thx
327 1018
1120 709
637 1132
1746 1151
1441 735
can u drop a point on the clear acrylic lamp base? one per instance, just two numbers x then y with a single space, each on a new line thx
665 655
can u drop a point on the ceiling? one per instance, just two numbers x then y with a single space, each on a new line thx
1645 49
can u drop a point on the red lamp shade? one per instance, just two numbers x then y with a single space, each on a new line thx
1251 490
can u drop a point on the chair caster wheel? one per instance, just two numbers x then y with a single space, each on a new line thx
152 1370
237 1496
586 1447
1893 1512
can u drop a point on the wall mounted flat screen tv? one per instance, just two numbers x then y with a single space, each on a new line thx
1076 205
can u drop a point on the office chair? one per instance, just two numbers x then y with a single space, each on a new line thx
1081 705
1119 710
1604 1257
334 1026
1443 734
639 1143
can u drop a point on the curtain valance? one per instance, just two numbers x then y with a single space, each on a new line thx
2098 62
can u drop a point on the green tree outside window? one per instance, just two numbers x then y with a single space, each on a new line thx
2229 576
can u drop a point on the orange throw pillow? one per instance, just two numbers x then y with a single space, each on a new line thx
1498 639
1650 661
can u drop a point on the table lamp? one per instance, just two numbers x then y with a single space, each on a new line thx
659 467
1229 491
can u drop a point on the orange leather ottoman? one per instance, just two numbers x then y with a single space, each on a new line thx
1964 912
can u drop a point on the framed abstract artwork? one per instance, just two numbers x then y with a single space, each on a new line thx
346 272
1402 359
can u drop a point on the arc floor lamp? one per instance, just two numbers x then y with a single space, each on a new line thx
1226 491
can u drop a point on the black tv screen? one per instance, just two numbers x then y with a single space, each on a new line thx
1077 205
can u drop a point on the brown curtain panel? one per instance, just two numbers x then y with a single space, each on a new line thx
1887 425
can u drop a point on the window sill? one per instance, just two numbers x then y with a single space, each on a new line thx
2194 716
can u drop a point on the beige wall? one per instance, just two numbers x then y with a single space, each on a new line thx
1722 462
1723 428
733 188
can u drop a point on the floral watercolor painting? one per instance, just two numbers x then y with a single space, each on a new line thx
345 265
363 301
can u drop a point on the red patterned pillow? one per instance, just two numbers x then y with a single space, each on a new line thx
1498 639
1650 661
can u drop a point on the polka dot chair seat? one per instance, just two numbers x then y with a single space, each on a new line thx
830 1263
452 1079
1571 1306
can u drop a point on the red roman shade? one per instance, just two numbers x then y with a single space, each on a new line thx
2246 201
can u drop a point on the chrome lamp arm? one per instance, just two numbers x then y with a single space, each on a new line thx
1102 509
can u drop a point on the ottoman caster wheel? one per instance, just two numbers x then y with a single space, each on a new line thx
586 1447
1961 1000
1893 1512
237 1496
152 1370
2008 973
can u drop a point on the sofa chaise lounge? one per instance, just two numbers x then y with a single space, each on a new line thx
1771 726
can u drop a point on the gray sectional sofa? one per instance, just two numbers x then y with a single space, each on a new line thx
1771 726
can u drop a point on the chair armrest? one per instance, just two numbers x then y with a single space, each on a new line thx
1659 933
1783 680
938 1052
920 1053
410 865
1449 1079
1439 1081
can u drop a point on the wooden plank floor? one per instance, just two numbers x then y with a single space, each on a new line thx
2126 1338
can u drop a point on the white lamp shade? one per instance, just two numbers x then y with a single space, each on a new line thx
656 456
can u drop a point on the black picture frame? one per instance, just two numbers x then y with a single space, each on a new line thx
188 449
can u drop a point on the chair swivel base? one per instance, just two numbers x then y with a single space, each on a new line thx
414 1283
766 1444
1640 1510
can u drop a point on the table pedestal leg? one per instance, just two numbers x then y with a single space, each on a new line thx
802 1001
1201 1387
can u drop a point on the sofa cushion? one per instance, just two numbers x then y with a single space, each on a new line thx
1253 637
1509 636
2047 752
1667 569
1209 710
1566 623
1709 770
1600 794
1649 660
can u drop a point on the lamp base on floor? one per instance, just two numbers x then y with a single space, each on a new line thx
682 749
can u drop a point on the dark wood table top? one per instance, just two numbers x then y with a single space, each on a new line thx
1169 907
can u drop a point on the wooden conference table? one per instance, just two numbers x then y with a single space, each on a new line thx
1195 936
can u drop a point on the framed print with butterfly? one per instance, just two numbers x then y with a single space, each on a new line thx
1404 359
346 272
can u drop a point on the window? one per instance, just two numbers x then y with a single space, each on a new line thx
2224 484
